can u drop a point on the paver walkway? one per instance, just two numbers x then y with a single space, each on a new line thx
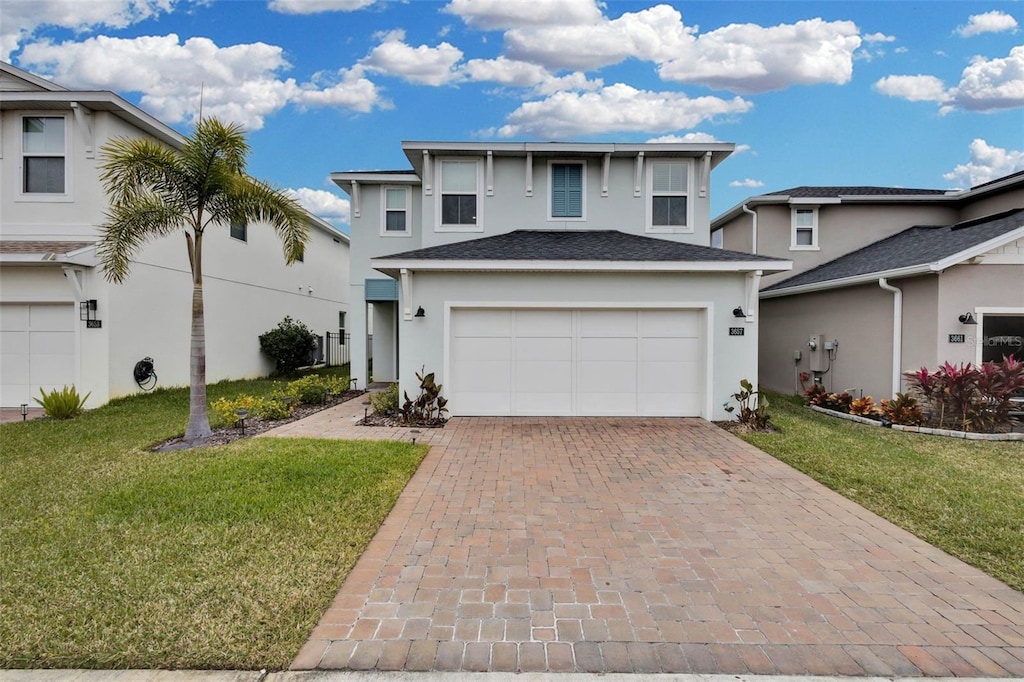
647 545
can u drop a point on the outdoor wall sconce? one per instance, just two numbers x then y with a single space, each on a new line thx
738 312
242 413
24 411
967 318
420 312
87 313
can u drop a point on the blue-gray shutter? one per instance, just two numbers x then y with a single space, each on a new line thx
567 190
381 290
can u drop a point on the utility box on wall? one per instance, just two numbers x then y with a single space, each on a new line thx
817 356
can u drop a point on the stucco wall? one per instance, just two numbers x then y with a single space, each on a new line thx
993 203
972 288
860 318
422 340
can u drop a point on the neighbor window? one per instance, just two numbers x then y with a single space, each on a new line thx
43 155
459 200
240 230
669 190
567 190
805 229
396 211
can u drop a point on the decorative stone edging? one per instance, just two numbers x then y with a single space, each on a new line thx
921 429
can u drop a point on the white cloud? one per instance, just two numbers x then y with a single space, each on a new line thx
22 17
618 108
747 58
513 73
985 85
746 182
987 163
878 38
239 83
322 203
317 6
914 88
347 88
696 137
495 14
989 22
424 64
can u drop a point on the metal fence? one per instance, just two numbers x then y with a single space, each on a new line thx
336 348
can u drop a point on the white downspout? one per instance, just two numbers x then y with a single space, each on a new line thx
753 228
897 332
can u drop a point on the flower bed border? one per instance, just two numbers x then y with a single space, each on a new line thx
948 433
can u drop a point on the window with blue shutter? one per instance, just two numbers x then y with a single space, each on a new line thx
567 190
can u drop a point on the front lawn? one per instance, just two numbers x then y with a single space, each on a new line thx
117 557
965 497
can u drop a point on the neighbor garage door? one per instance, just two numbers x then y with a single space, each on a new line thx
37 350
576 362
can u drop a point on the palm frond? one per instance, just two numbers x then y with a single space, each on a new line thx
251 200
130 225
131 167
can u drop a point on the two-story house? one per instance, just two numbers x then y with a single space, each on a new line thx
62 323
901 278
555 279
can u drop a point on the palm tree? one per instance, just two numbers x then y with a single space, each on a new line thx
155 190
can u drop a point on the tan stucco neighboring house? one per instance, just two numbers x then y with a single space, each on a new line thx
62 323
885 280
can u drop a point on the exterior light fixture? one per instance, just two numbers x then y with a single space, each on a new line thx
420 312
87 314
242 413
24 411
738 312
967 318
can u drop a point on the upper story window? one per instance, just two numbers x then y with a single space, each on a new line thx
395 211
239 230
568 181
668 186
460 195
44 155
805 229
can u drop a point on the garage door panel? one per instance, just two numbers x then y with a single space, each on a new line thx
607 323
665 348
530 404
553 349
598 377
544 377
608 404
55 318
482 349
482 323
51 343
669 404
14 343
672 323
15 369
37 350
481 376
658 377
482 404
52 369
13 317
543 323
598 350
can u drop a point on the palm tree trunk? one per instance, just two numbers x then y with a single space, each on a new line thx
198 428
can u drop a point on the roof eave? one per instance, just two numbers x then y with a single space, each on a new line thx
393 266
866 278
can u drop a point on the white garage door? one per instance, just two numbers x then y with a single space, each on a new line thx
576 362
37 350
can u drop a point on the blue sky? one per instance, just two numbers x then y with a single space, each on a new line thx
912 94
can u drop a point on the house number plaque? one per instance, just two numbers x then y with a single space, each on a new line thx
957 338
735 331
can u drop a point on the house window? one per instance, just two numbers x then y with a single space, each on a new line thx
43 144
240 230
1002 335
668 188
568 187
459 193
805 229
396 211
341 327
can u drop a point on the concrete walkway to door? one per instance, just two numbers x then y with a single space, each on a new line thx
649 545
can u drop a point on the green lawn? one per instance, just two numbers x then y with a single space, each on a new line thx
115 557
966 497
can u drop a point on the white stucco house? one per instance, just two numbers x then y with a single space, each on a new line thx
62 323
555 279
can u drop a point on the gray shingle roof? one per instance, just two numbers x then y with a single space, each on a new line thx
40 247
917 245
806 192
576 245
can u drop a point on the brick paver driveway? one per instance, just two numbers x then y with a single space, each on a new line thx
660 545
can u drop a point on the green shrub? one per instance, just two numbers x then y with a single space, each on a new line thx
225 411
385 402
62 404
289 344
309 390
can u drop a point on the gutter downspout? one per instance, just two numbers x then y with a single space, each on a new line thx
897 332
753 229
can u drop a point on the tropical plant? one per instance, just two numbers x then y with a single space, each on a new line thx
903 409
428 406
815 394
839 402
156 190
385 402
753 407
289 345
967 397
311 389
63 403
865 407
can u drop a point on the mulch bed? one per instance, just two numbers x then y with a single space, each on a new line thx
254 426
394 420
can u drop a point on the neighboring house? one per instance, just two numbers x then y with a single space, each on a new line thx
62 323
556 279
889 273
